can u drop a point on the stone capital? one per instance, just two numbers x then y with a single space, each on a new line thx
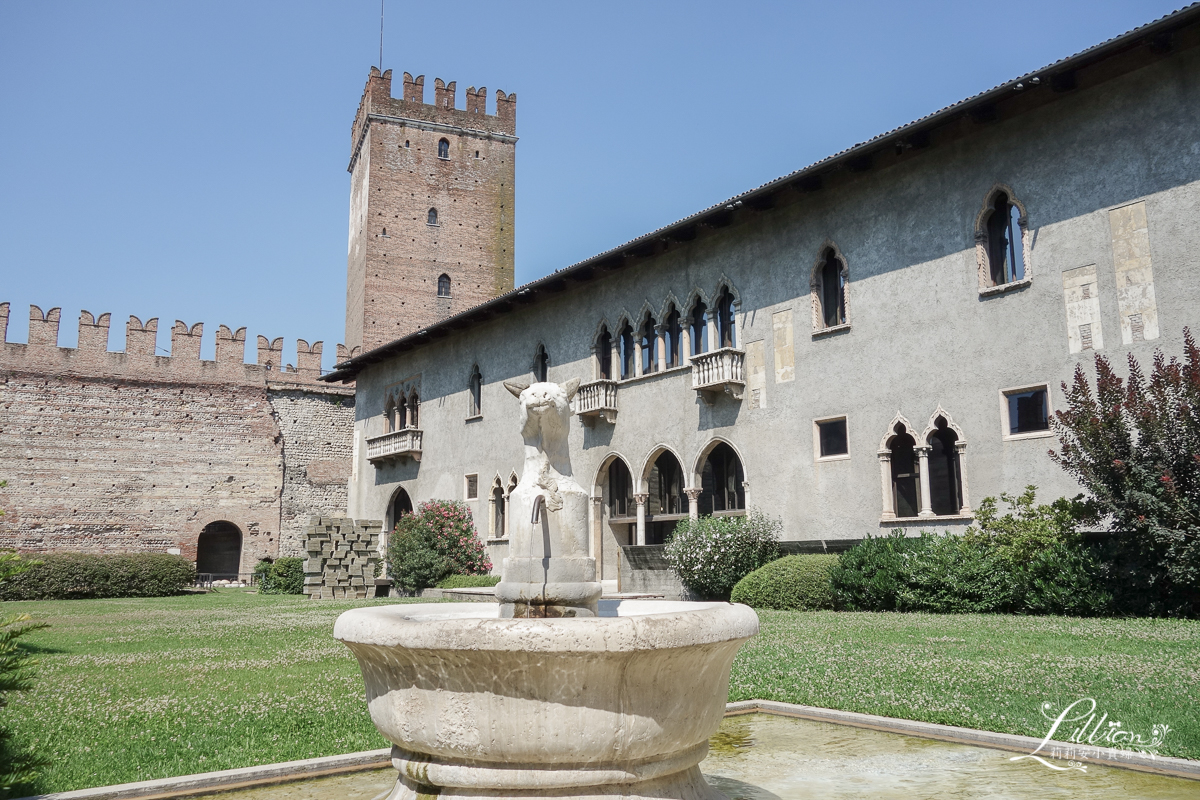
641 499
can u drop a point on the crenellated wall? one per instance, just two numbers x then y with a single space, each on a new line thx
131 451
139 360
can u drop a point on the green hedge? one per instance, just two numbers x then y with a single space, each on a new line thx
792 583
467 581
281 576
69 576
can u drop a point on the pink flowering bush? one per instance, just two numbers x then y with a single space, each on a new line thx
436 541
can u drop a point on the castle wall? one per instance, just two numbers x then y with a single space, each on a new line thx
128 451
922 335
317 429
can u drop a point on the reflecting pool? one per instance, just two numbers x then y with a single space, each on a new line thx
764 757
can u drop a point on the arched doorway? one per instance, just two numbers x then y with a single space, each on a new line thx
401 504
722 482
219 551
615 517
666 503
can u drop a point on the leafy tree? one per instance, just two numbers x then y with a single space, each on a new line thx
1134 445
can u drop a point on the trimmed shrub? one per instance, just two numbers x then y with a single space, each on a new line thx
282 576
437 540
1029 561
711 554
791 583
68 576
468 581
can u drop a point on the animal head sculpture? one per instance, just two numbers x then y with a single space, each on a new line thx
545 409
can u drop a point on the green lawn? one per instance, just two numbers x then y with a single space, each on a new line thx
137 689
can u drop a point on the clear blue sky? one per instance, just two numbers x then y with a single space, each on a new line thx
187 160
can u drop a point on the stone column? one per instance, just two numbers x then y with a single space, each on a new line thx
714 341
661 335
598 535
960 448
615 361
926 503
641 499
637 355
685 346
693 496
507 517
885 474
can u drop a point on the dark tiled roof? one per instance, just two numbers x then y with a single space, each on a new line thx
1153 34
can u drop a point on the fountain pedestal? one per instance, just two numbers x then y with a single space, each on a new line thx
619 705
551 692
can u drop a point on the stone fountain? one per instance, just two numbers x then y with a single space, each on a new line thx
551 692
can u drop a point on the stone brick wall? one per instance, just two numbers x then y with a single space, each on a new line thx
129 451
395 255
317 430
342 555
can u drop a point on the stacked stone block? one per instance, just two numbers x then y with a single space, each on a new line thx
341 558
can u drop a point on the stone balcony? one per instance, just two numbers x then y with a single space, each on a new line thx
391 447
597 400
720 371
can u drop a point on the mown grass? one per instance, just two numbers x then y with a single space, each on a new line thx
981 671
137 689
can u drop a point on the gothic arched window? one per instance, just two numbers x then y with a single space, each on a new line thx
906 473
945 470
541 365
699 325
604 353
829 289
725 319
649 341
626 343
673 338
443 285
443 148
1000 240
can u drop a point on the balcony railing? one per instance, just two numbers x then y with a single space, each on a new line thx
394 446
721 370
597 400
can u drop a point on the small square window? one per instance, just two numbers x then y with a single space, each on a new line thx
832 440
472 487
1028 411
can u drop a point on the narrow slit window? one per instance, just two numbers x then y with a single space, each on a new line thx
725 319
432 218
699 325
604 353
475 388
443 148
541 365
832 291
626 342
443 289
673 339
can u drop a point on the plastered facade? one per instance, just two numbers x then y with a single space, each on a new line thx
925 340
129 451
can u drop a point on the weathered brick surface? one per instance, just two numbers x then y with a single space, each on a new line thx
395 255
127 451
317 432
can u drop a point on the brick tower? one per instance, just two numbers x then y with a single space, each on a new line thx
431 199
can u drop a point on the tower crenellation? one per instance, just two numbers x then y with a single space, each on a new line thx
432 196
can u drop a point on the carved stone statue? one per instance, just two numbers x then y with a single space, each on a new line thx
548 572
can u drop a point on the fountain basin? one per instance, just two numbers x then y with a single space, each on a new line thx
623 703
